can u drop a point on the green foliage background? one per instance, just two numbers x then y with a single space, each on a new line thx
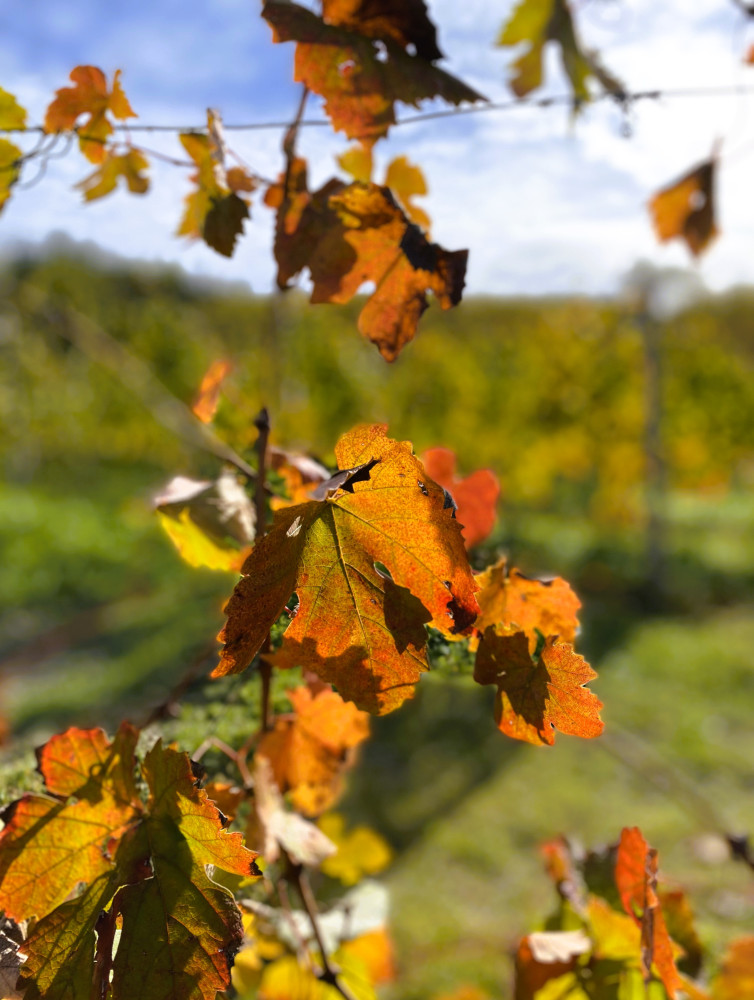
100 617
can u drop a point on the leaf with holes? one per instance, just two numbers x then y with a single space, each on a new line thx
402 21
475 496
685 209
360 66
347 235
372 563
89 96
537 697
507 597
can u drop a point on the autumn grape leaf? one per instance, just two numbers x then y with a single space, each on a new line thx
407 182
89 96
686 209
371 565
68 833
215 211
347 235
509 598
358 162
310 752
360 851
736 978
128 167
475 496
533 24
636 879
12 115
210 523
375 950
143 867
360 80
208 395
534 698
10 169
300 474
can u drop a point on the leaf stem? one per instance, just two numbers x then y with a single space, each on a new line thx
262 424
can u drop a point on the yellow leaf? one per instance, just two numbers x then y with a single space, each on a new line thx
357 161
196 548
12 115
407 181
361 851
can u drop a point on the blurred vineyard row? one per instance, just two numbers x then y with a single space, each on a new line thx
550 394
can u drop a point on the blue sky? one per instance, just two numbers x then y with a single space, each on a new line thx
543 206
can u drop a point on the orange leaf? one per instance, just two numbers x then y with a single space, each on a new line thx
475 496
208 396
310 752
636 879
509 598
375 950
535 699
89 96
736 978
545 955
356 626
686 209
351 234
360 83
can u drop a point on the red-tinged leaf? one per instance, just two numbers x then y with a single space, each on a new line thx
179 929
402 21
636 879
356 627
679 919
208 396
128 167
509 598
71 837
89 96
359 82
347 235
10 169
536 698
310 752
736 978
475 496
685 209
12 115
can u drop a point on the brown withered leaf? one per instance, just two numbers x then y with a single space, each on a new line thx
359 83
636 879
475 496
536 698
347 235
310 752
370 569
403 21
686 209
507 597
90 96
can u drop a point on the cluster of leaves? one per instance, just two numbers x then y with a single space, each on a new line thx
617 933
